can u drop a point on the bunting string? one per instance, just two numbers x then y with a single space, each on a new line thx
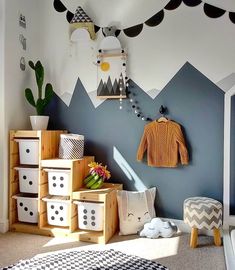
133 31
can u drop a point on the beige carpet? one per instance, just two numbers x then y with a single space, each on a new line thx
173 253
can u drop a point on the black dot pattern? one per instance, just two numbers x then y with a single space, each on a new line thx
24 177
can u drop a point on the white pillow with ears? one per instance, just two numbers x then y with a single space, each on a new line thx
135 208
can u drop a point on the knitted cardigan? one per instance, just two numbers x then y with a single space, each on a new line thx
164 142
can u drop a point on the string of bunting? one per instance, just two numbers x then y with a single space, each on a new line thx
133 31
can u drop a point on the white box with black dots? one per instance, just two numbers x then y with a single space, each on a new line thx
57 210
27 208
90 215
58 182
28 179
29 151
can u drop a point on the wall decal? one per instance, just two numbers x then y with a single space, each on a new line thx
22 21
155 19
192 3
173 4
22 63
213 12
59 6
69 16
81 20
232 17
22 40
165 51
97 28
133 31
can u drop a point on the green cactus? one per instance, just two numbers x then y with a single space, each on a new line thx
41 103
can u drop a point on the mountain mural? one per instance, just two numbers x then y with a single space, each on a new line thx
191 99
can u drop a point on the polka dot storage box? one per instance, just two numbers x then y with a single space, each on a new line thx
29 151
28 179
27 208
90 215
57 210
58 182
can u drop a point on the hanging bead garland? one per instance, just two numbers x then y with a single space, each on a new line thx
135 108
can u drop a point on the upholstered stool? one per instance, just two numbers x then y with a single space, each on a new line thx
203 213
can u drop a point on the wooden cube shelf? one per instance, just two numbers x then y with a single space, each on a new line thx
48 148
78 168
107 195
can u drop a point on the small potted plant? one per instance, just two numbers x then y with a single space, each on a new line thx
39 121
98 174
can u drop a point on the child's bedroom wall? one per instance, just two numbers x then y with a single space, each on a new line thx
14 109
182 59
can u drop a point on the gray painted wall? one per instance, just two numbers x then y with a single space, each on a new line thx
192 100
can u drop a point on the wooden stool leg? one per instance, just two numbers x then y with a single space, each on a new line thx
193 240
217 238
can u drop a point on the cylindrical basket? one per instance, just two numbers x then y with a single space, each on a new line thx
71 146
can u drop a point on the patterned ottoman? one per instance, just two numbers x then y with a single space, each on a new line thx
203 213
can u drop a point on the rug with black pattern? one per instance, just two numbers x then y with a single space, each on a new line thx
87 260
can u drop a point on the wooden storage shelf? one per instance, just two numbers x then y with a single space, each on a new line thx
78 168
48 148
107 195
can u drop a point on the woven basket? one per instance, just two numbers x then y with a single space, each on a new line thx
71 146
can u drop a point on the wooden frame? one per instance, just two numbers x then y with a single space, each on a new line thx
229 220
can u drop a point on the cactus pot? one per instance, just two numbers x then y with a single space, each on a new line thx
39 122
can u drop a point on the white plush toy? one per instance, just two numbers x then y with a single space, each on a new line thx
157 227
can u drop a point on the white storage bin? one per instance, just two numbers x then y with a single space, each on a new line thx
28 179
29 151
27 208
57 211
90 215
71 146
58 182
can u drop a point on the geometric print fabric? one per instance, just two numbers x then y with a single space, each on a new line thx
71 148
203 213
87 260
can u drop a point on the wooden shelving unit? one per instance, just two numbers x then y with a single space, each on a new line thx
78 169
106 195
48 148
48 159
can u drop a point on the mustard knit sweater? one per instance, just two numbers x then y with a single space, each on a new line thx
164 142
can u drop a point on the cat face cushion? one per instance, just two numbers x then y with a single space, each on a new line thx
135 208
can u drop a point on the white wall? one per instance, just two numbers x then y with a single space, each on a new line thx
3 189
162 50
14 108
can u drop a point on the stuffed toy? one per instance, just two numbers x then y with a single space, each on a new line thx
157 227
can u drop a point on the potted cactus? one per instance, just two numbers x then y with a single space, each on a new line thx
39 121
